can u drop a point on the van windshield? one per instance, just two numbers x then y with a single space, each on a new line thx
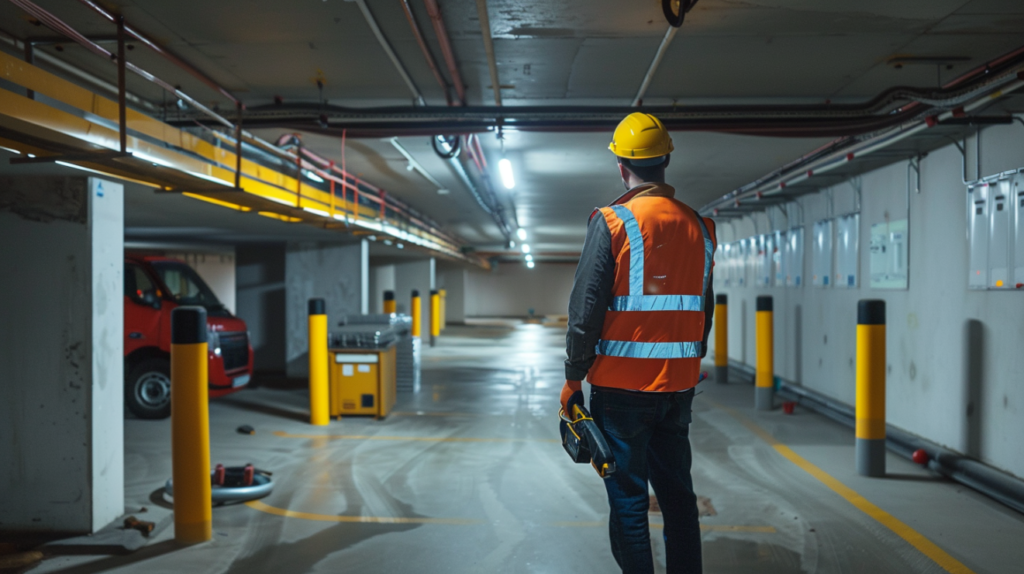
185 285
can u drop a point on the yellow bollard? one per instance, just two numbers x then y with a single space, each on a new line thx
319 394
435 317
871 387
417 313
444 308
764 391
721 338
190 426
389 302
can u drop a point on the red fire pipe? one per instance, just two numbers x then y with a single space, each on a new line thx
446 48
426 51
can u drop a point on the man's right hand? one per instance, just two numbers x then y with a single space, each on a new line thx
569 389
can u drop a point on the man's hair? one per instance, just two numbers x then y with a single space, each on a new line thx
647 169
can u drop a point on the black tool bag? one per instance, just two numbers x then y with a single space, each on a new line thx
584 442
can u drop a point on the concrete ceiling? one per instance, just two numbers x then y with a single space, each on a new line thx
568 52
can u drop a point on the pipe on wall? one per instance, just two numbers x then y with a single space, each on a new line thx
979 476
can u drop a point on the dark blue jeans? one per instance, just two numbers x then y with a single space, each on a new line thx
649 433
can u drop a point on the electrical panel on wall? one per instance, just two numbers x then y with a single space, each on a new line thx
1017 193
723 269
794 257
999 223
762 265
977 204
742 247
995 234
778 257
889 255
847 240
821 255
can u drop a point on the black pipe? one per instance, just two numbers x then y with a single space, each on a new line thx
987 480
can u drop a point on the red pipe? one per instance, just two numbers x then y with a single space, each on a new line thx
426 51
161 50
446 48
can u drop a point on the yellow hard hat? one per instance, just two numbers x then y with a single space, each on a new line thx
641 136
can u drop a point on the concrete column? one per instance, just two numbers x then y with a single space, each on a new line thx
364 274
332 272
260 279
61 354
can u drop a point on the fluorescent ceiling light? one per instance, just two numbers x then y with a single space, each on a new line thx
530 264
281 201
526 248
505 167
521 234
529 257
319 212
314 177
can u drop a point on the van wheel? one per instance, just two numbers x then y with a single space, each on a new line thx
147 389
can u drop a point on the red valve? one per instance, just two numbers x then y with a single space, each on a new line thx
248 475
920 456
218 475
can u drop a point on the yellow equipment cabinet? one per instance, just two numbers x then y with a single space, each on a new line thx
362 381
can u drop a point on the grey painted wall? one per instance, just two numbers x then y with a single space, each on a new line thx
513 289
452 278
260 295
329 271
954 355
61 354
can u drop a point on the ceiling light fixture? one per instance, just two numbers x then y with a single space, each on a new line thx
521 234
314 177
529 257
530 264
505 167
526 248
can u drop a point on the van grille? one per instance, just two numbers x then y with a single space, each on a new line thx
234 350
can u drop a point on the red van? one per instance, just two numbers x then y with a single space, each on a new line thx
153 286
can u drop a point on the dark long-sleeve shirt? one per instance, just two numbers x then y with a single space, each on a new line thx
592 296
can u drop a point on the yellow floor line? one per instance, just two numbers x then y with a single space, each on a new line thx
900 528
263 507
703 527
411 438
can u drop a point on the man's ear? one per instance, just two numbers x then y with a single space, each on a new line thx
624 173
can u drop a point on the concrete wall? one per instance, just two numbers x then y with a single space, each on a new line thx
260 279
452 278
218 270
332 272
954 357
513 289
61 354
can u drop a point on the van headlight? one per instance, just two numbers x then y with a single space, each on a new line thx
213 341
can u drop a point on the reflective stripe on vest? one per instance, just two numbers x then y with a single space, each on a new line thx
637 301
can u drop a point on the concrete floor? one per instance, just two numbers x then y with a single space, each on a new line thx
468 476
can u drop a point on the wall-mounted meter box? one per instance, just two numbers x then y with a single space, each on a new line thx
1017 208
821 253
977 205
847 241
778 258
763 261
794 257
888 255
742 248
722 269
995 235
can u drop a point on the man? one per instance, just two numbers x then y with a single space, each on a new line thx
639 317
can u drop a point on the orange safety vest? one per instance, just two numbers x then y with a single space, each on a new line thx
652 333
